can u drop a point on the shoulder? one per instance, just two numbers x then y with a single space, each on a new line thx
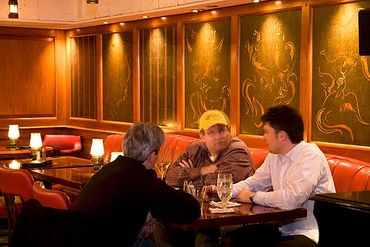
235 142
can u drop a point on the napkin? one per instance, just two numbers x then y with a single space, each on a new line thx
221 210
219 204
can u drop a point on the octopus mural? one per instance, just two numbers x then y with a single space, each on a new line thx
208 82
340 106
272 79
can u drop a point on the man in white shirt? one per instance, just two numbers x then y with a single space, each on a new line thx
292 172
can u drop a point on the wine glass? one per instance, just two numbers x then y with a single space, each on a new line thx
162 168
224 188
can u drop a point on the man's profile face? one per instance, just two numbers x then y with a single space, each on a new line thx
216 138
271 138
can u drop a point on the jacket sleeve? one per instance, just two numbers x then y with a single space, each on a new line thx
171 205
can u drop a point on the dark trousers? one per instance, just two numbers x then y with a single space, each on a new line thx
265 235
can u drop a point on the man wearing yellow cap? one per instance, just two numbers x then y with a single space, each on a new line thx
216 152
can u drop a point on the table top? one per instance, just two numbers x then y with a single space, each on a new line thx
354 199
69 171
20 152
246 213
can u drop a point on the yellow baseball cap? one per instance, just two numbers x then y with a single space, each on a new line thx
213 117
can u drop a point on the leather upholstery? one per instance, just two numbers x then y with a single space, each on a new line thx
112 143
15 182
63 144
50 198
172 148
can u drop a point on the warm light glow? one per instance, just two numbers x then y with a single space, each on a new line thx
35 141
97 148
13 9
13 133
14 164
97 152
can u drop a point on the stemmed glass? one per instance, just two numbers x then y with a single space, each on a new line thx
162 168
224 188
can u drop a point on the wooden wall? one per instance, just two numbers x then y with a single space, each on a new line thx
44 68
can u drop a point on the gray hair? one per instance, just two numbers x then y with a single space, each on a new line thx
142 139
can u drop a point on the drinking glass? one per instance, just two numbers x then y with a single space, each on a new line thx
162 168
224 188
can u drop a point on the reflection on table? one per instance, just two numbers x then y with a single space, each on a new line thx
246 213
65 170
21 152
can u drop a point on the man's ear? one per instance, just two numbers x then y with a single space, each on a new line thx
201 135
283 136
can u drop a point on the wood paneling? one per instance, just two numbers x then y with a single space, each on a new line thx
28 86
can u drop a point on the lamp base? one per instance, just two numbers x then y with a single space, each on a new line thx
97 167
97 162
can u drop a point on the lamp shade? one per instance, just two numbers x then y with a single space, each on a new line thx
13 9
35 141
13 132
97 147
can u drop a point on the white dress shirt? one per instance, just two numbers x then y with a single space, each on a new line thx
287 182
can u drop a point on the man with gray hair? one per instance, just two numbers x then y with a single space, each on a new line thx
125 193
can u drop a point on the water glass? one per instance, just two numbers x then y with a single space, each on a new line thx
224 188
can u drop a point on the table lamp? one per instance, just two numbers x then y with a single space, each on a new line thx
97 153
13 135
36 144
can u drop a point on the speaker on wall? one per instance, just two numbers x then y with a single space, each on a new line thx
364 32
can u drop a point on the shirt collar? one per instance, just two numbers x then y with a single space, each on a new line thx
293 153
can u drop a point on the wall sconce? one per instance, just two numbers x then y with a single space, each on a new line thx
36 144
13 135
97 153
13 9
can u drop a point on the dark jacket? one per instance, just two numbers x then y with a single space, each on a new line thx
123 192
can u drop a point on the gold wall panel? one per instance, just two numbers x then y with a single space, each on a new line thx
269 66
83 77
341 77
117 77
207 69
158 97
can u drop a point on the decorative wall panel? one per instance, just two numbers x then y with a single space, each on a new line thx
83 73
158 75
341 77
117 77
207 69
269 66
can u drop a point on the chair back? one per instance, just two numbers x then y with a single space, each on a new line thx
63 144
50 198
15 182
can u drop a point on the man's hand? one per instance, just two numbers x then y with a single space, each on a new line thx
244 195
148 227
186 164
208 169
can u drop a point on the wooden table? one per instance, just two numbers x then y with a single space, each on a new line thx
21 152
69 171
245 214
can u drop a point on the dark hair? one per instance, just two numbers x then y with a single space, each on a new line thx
142 139
287 119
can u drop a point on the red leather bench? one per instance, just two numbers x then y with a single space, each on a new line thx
172 148
349 174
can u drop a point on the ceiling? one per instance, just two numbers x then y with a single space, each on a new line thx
69 14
